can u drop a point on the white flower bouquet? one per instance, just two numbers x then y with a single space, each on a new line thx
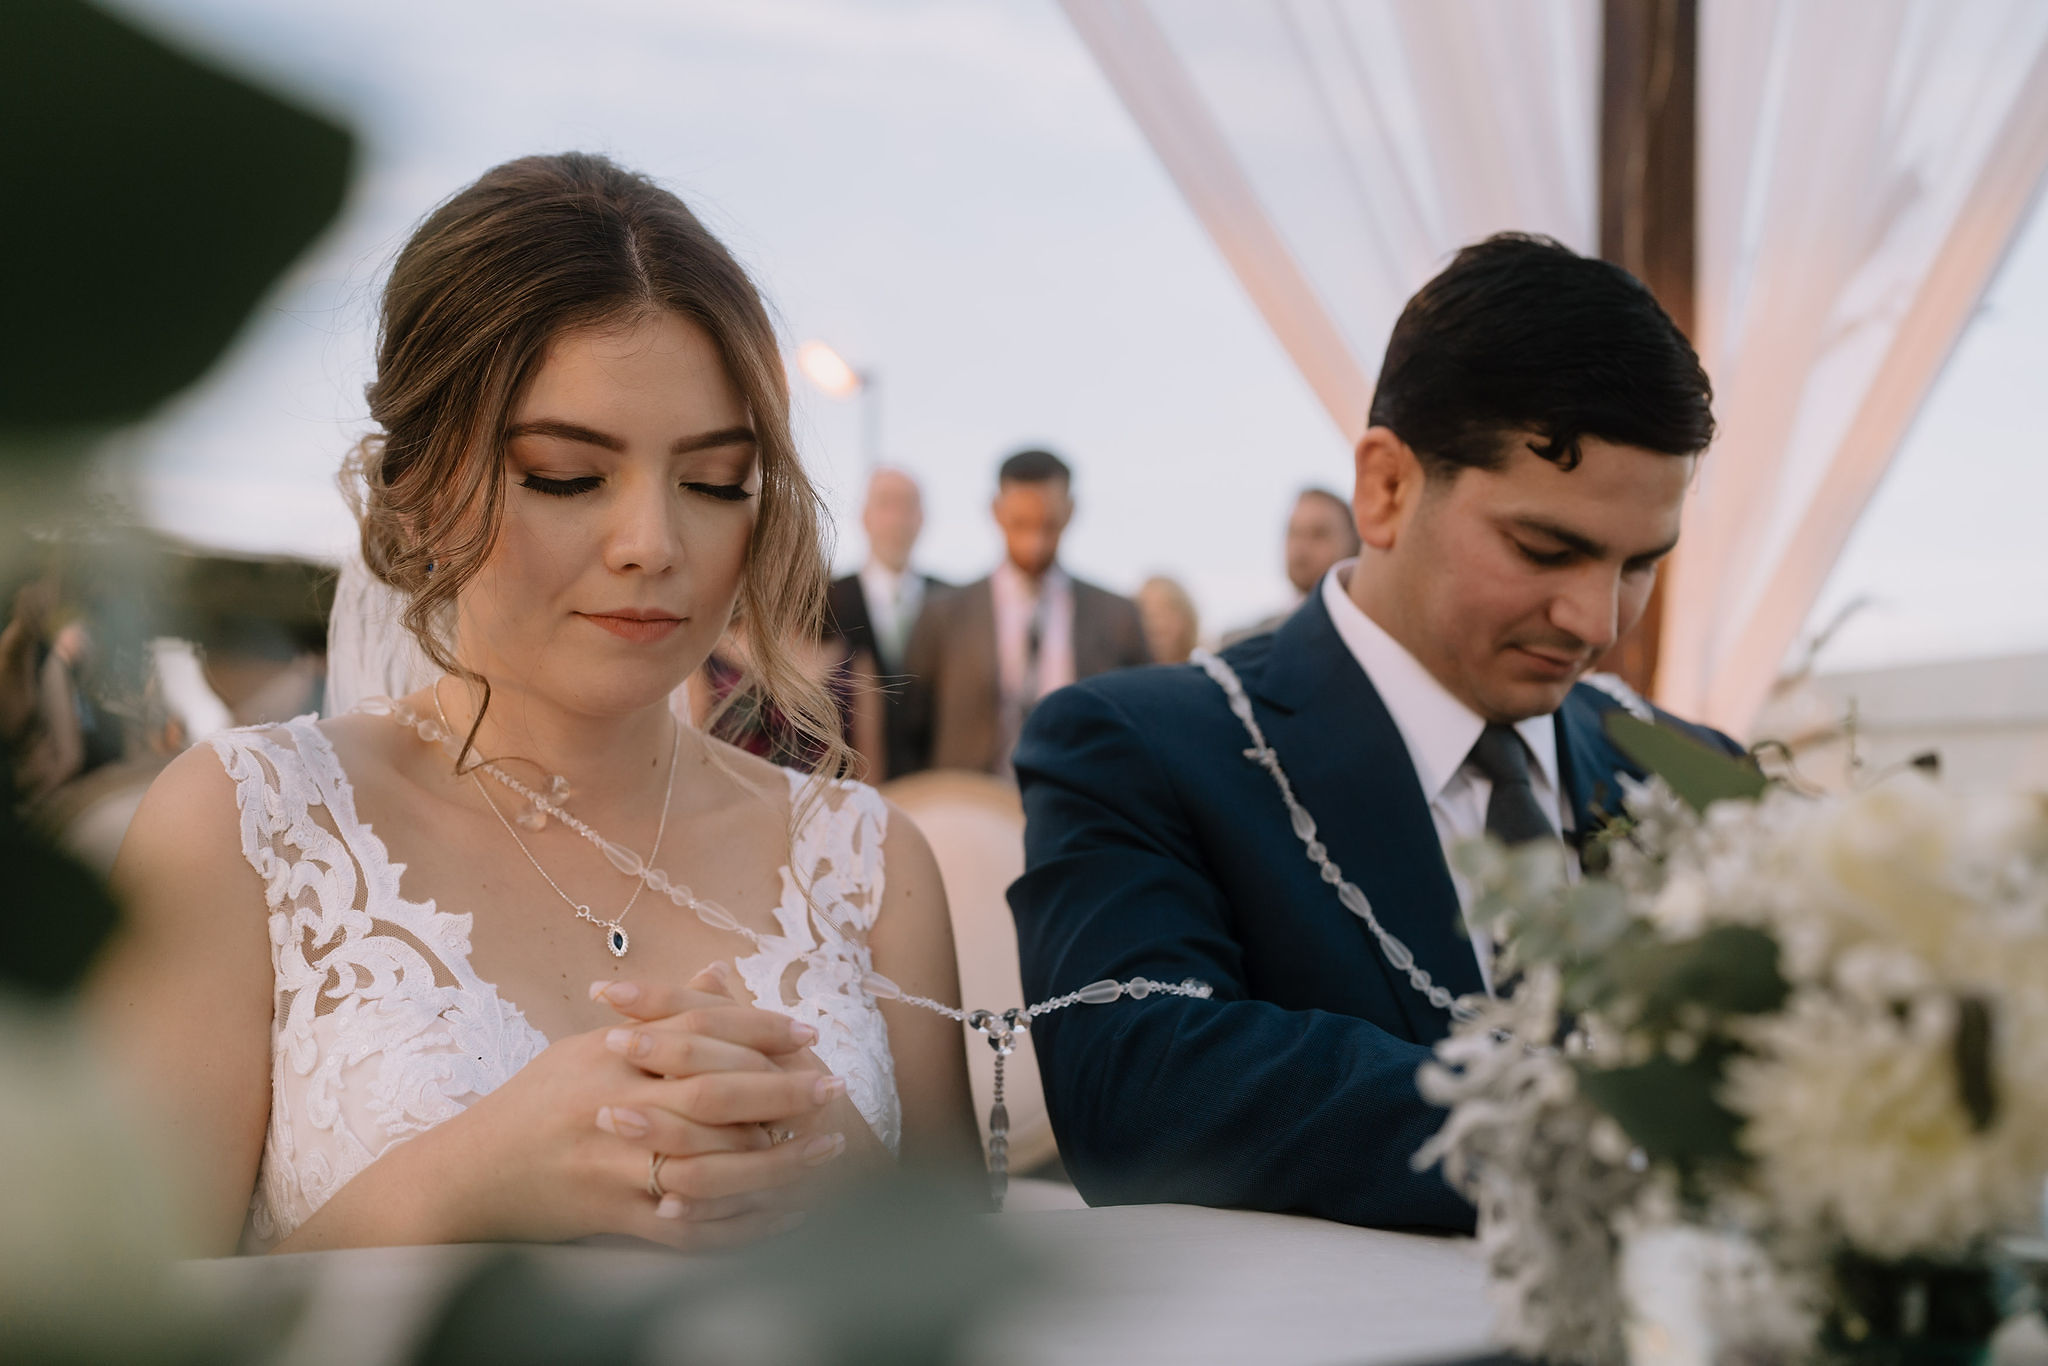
1796 1046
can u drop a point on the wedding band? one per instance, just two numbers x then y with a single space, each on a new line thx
654 1161
777 1137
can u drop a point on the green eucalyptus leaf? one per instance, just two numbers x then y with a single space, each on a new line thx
1698 773
1668 1108
1728 970
152 199
1976 1079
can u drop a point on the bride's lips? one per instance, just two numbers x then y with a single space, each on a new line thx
638 624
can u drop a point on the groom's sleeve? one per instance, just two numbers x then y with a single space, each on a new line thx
1230 1101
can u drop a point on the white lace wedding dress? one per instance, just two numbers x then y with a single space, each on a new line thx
382 1029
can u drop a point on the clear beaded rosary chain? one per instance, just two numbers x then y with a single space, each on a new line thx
616 938
1001 1030
1263 754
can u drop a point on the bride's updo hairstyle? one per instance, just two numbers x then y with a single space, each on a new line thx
535 248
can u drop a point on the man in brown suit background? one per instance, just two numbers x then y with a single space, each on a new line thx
981 656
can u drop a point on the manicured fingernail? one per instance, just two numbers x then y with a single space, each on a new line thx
671 1207
629 1043
802 1032
614 993
823 1149
827 1088
625 1123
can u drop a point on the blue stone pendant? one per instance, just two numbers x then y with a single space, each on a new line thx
617 942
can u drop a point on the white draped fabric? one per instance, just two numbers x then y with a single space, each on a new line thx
1863 166
1339 152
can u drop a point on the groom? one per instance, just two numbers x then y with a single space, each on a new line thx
1537 422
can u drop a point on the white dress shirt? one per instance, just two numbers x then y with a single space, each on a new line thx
1017 599
1439 731
894 598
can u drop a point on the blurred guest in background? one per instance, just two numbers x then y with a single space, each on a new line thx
1320 533
83 725
1172 626
723 700
873 613
981 656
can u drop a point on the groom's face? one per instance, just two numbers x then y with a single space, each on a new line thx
1514 581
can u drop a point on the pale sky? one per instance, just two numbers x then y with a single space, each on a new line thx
948 191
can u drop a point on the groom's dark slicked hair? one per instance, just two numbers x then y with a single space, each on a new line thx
1521 334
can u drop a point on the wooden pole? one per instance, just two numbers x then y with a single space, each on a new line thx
1649 102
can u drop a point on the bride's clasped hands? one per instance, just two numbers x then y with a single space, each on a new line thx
721 1106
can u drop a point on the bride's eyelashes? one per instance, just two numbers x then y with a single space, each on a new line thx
560 488
569 488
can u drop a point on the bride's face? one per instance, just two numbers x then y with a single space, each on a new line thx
632 485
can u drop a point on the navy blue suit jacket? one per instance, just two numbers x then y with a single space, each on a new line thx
1154 847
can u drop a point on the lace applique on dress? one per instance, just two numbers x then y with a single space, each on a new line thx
380 1027
380 1030
812 971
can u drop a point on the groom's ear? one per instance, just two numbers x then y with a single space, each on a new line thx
1389 483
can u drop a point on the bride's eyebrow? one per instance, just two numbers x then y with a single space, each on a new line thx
725 436
575 431
564 431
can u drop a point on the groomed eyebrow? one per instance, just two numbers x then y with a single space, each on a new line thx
575 431
1585 545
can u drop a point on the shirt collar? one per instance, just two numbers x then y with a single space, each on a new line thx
876 575
1014 583
1438 729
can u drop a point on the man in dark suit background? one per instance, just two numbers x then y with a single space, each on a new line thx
875 610
1536 424
982 656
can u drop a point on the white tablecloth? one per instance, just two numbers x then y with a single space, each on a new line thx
1144 1283
1177 1283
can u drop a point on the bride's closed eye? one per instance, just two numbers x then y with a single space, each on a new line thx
569 488
727 493
560 488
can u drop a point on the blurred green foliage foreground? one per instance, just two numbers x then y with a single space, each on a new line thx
151 201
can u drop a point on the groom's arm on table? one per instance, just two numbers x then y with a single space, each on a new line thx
1231 1101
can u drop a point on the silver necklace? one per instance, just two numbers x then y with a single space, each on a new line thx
1000 1029
615 937
1263 754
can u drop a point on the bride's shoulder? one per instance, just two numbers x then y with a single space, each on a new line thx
803 796
187 829
200 792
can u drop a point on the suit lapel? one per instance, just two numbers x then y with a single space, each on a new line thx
1587 764
1350 768
1088 655
982 673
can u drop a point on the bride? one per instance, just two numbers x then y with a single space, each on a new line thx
518 956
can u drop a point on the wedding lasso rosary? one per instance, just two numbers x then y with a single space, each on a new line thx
1398 954
1000 1029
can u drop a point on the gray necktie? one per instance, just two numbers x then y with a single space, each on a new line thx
1034 647
1514 815
894 640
